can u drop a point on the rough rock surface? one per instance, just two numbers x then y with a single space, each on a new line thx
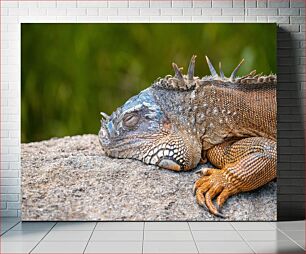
71 179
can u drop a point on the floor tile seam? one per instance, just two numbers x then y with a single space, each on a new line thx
70 241
42 238
174 230
144 225
303 230
31 230
139 240
223 241
214 230
167 229
239 230
42 223
10 228
126 230
143 232
291 230
116 252
273 224
93 230
249 241
291 239
193 238
244 240
232 226
252 229
248 230
61 230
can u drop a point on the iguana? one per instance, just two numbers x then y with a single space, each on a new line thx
183 120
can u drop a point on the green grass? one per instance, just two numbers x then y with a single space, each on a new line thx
71 72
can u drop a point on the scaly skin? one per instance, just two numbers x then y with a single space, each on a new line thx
183 120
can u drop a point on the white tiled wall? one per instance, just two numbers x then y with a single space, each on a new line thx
289 14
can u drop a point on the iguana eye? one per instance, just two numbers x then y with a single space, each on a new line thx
131 120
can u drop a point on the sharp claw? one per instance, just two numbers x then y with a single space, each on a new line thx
200 203
194 189
204 206
202 171
199 171
217 207
220 215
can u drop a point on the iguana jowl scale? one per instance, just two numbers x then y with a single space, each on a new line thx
184 120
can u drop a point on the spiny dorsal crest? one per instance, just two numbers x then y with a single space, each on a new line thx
187 82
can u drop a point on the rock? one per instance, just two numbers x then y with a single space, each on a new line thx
70 178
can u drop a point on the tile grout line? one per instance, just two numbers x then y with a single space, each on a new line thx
273 225
10 228
290 238
90 237
42 238
143 232
247 243
193 237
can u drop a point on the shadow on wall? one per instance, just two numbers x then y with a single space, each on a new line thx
291 175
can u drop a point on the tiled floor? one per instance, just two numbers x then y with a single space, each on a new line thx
152 237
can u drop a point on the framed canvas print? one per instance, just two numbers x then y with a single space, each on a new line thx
149 122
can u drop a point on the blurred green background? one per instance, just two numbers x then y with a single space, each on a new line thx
71 72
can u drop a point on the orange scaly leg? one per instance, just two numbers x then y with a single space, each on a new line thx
244 166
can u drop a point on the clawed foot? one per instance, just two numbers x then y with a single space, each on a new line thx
209 185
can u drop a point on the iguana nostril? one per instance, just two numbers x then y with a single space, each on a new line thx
103 137
103 133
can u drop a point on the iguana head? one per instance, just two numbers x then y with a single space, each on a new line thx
141 130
